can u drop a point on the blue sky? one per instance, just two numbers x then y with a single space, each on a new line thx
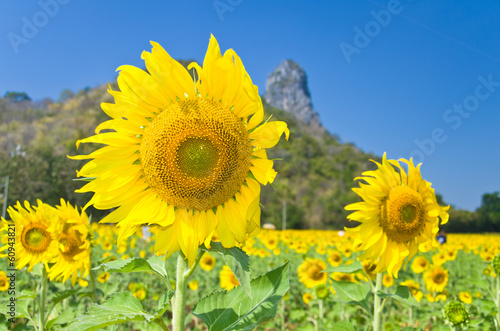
410 78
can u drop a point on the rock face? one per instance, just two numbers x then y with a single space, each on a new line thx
286 89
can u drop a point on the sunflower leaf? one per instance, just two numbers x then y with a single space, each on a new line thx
342 326
60 296
401 294
234 310
154 264
122 307
237 260
163 304
353 293
348 269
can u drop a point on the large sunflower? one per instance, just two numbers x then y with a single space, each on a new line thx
398 213
73 244
185 156
35 238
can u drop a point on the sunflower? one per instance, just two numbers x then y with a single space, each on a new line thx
185 156
307 297
465 297
457 315
4 281
207 262
193 285
35 234
227 279
414 289
334 258
398 213
387 280
420 264
311 272
439 258
103 277
73 239
436 278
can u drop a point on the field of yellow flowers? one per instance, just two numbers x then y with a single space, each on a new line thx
457 270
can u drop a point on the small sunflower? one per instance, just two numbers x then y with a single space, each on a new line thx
207 262
307 297
399 212
436 278
414 289
139 291
420 264
73 239
227 279
387 280
465 297
185 156
35 234
311 272
103 277
193 285
334 258
4 281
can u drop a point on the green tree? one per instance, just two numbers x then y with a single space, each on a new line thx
489 212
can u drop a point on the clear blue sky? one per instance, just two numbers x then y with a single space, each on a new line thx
386 75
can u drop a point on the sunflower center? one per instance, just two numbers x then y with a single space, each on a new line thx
69 244
35 238
402 214
315 273
196 154
438 278
197 157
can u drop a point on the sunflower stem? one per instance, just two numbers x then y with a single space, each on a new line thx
43 293
161 323
92 285
179 308
376 304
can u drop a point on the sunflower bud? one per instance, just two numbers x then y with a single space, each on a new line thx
456 314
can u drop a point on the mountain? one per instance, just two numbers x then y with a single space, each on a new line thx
287 89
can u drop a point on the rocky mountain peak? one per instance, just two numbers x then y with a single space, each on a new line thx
286 89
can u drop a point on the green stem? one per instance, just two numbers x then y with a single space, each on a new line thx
179 308
376 304
182 276
43 294
92 286
161 323
282 308
321 313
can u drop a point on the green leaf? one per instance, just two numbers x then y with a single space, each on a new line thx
342 326
348 269
60 296
27 294
120 308
402 294
234 310
163 304
22 308
136 265
352 293
64 317
237 261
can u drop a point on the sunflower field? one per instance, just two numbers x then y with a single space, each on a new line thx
460 270
182 245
